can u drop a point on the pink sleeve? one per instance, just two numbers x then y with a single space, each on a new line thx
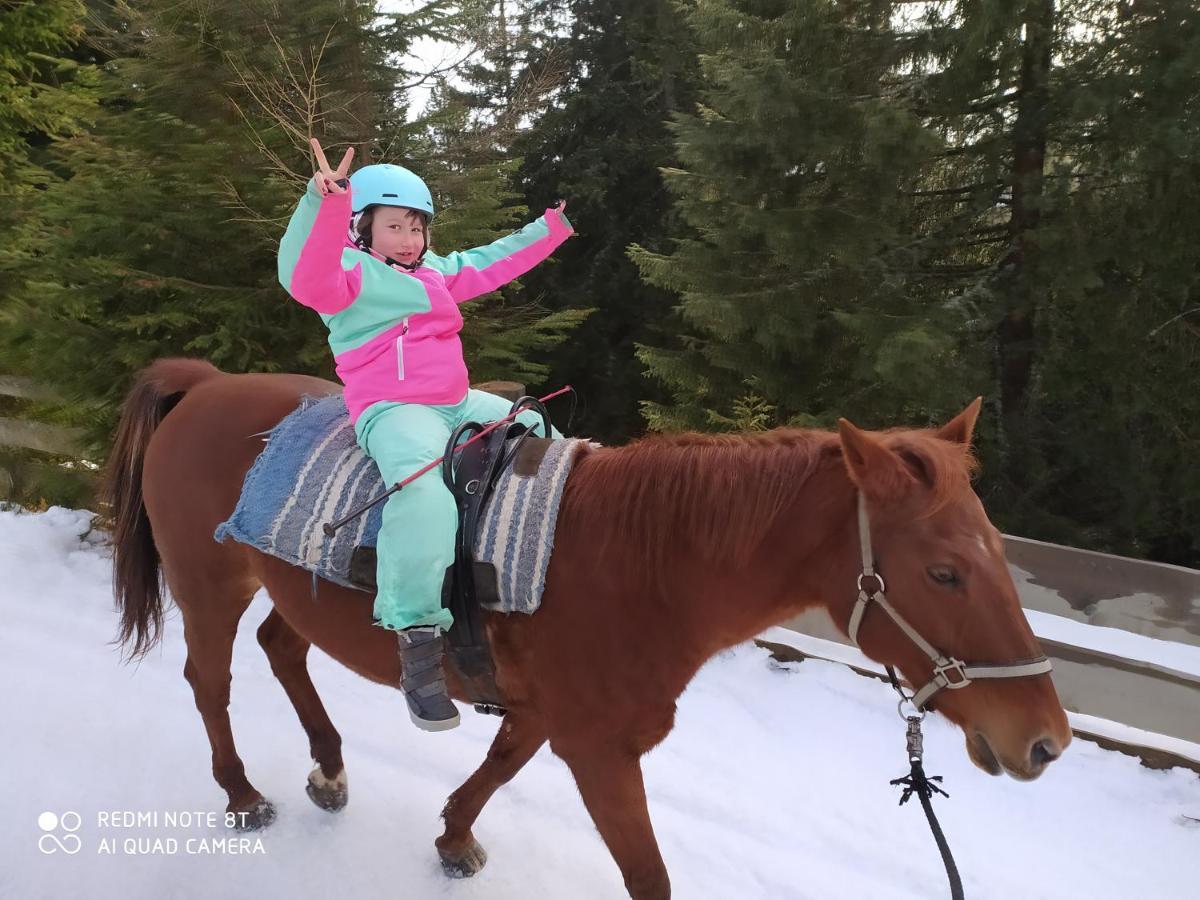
310 254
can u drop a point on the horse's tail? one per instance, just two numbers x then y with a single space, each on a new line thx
137 578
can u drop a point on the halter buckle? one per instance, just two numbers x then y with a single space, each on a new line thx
958 667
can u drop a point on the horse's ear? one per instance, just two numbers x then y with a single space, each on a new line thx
876 470
961 427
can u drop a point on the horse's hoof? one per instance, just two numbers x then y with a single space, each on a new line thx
258 816
466 864
329 794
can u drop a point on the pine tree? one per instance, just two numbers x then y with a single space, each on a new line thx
1067 122
159 236
629 67
1115 393
46 93
43 92
800 284
895 208
162 240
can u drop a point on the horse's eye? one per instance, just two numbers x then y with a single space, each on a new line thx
944 575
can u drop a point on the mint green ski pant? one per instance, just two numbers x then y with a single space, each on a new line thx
416 538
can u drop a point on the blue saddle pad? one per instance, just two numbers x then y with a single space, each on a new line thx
312 471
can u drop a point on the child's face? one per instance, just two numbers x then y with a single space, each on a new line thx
398 232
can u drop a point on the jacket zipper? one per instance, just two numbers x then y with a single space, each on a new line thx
400 351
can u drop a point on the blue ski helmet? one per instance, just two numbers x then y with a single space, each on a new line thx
389 185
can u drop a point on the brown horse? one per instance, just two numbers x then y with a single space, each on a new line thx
667 551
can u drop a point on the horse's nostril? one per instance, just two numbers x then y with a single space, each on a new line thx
1043 752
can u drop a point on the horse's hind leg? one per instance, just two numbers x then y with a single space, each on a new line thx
288 653
211 613
519 737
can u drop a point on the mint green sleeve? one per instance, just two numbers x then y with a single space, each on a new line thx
472 273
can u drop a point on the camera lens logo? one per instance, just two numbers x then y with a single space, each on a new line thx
50 842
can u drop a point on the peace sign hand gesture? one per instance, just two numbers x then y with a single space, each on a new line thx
326 180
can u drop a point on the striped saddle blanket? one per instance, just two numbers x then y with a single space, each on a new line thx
312 472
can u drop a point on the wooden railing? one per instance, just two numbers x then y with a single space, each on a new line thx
29 435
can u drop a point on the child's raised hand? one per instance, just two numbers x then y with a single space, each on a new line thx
560 206
326 179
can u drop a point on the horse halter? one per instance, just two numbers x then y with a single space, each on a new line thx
948 672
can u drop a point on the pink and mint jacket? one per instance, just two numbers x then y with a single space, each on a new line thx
394 333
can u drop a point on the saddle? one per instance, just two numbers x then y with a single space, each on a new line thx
471 475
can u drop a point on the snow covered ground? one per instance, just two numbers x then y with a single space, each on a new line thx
773 784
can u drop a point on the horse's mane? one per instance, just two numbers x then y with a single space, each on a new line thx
723 493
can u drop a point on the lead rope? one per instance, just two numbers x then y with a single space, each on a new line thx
924 786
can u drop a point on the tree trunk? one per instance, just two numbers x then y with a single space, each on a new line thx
1015 335
359 88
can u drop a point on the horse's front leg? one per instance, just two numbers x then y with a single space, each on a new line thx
520 736
610 782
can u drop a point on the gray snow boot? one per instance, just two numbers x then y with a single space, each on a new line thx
422 680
